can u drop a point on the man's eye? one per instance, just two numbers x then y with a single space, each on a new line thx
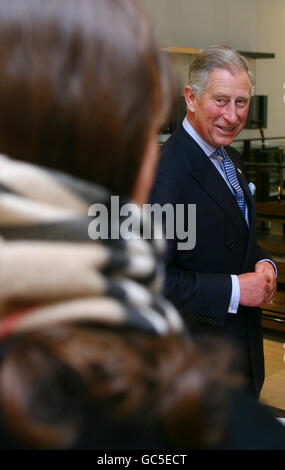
242 102
221 101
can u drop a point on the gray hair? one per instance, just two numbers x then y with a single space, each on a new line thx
211 58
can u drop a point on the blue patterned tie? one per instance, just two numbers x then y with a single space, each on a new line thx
232 178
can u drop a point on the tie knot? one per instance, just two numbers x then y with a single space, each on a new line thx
220 152
231 176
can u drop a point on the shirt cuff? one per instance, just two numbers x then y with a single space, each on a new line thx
271 262
234 302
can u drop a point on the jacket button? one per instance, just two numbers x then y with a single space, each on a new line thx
230 244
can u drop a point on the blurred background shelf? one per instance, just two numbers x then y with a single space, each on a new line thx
265 166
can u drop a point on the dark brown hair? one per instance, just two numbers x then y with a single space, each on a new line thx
81 85
166 383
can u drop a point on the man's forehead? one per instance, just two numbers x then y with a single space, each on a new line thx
223 80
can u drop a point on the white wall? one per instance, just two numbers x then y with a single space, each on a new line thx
270 74
251 25
199 23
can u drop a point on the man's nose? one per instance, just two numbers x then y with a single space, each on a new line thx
231 113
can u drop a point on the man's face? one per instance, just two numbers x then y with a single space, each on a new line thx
221 113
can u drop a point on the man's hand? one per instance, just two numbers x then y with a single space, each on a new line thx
258 288
267 268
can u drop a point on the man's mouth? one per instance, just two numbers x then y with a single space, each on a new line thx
226 129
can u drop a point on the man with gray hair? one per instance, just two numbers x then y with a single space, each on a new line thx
220 284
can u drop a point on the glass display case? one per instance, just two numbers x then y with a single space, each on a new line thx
265 167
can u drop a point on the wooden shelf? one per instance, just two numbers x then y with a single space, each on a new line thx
273 316
273 322
271 209
195 51
181 50
258 55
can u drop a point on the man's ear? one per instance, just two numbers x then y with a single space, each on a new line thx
190 98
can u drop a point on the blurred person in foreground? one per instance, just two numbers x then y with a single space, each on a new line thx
91 355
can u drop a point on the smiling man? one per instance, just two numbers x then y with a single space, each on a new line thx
221 111
221 283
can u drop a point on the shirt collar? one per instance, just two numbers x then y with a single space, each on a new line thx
207 148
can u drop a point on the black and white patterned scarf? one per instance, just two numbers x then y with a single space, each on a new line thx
52 272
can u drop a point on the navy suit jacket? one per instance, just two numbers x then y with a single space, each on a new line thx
198 280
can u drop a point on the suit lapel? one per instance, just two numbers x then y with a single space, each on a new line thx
251 215
208 177
244 185
249 199
252 218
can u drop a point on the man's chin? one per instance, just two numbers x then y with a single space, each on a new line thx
223 141
224 138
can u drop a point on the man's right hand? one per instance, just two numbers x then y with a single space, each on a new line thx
255 289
